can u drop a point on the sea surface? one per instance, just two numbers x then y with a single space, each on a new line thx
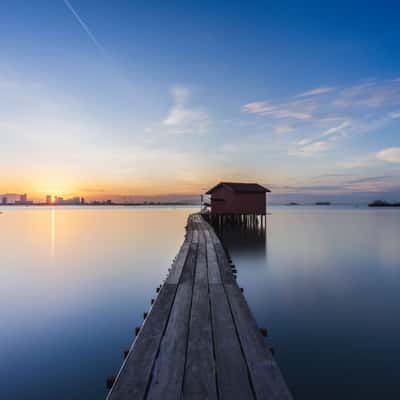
75 281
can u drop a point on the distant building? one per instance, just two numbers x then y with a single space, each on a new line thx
233 198
82 200
73 201
23 200
61 201
4 200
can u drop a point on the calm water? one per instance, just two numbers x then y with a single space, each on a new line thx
74 283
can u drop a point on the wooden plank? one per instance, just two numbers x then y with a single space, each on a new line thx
177 266
225 269
266 378
167 379
200 378
135 373
232 374
214 274
200 340
265 374
134 376
221 254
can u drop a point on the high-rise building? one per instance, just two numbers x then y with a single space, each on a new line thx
49 199
23 200
72 201
4 200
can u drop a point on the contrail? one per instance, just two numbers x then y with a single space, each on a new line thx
84 26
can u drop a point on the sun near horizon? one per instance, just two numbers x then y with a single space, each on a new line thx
105 101
186 186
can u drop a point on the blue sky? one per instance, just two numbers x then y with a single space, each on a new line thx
157 100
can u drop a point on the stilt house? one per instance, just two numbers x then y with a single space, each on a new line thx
238 199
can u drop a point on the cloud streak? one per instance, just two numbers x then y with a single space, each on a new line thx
357 163
370 95
336 129
339 114
391 155
281 111
283 129
316 91
394 115
84 26
310 149
334 184
182 118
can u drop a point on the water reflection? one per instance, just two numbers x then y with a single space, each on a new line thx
249 241
73 279
328 293
326 284
53 234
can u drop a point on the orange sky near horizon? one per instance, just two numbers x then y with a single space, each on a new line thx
141 189
168 182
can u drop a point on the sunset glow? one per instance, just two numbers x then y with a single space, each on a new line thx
179 179
91 114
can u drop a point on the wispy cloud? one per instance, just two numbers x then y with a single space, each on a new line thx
279 111
311 149
321 142
84 26
391 154
182 118
283 129
334 184
338 114
370 94
304 141
356 163
371 184
316 91
394 115
336 129
339 104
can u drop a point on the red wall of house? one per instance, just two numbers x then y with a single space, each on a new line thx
237 202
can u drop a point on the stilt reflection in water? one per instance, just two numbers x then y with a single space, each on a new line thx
244 239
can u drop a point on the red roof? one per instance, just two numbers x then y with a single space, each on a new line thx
241 187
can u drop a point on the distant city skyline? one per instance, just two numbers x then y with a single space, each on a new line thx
24 199
360 198
141 101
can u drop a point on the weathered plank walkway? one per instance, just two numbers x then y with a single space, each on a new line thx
200 340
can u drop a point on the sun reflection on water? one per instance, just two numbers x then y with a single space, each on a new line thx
52 234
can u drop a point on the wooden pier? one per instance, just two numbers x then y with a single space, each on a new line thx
199 340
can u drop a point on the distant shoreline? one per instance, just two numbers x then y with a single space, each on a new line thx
380 203
182 204
100 204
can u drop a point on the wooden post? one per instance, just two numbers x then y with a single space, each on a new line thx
110 381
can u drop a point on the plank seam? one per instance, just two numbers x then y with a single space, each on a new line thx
144 322
190 316
212 326
235 324
170 311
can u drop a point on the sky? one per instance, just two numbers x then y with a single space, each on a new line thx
139 100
